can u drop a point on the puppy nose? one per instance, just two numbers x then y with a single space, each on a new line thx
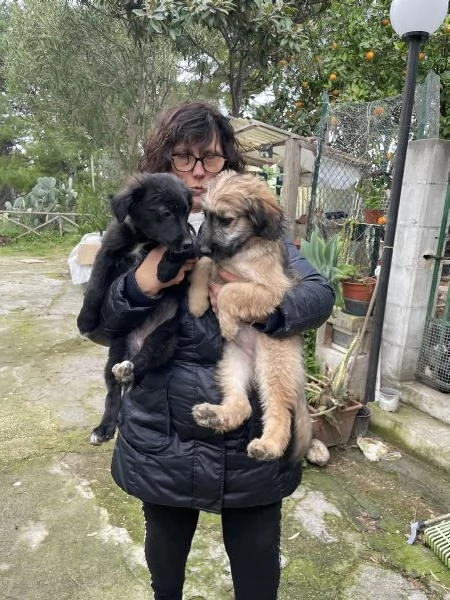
205 250
186 244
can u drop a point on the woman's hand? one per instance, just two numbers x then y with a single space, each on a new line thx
245 338
146 273
215 287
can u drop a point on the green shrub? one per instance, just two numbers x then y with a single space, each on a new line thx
309 352
93 209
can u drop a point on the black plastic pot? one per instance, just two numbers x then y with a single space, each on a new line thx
362 420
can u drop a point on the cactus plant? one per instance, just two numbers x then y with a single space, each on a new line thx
45 197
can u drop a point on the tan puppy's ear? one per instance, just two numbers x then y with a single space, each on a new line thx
268 221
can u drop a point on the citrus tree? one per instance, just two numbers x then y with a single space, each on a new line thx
354 54
238 40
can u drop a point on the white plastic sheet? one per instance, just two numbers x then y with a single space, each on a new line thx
80 273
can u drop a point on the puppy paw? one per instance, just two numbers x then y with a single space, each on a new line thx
198 304
102 434
123 372
263 450
207 415
228 327
87 323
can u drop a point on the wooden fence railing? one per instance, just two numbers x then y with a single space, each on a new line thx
54 217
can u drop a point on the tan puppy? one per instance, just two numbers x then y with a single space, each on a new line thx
243 234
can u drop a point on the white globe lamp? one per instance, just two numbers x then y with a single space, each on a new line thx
417 17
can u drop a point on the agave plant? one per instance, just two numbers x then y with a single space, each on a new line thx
324 256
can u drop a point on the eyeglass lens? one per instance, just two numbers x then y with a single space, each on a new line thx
183 162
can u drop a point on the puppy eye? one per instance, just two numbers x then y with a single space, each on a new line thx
165 213
225 220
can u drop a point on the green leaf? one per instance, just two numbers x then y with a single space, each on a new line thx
159 16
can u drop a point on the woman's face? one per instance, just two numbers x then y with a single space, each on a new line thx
197 178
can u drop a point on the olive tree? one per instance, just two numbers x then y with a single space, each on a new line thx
73 68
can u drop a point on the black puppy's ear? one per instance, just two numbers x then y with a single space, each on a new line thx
268 220
121 202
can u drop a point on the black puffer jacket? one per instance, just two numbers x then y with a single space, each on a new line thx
161 455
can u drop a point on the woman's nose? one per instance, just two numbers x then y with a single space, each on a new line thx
198 171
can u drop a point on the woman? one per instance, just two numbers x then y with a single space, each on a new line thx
161 456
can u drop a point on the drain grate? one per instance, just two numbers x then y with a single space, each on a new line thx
437 538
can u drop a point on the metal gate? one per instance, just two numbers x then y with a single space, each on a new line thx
434 359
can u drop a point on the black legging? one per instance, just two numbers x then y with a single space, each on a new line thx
252 542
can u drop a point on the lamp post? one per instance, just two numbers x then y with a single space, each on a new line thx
414 21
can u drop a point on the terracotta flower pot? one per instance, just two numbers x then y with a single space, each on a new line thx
324 431
361 289
371 215
357 295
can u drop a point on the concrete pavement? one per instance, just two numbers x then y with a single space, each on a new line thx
68 533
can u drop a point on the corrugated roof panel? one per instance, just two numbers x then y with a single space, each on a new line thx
253 134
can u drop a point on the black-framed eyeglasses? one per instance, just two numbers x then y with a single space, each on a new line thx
185 162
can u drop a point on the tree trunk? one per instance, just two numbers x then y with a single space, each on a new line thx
236 84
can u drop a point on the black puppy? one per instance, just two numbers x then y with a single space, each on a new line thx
151 211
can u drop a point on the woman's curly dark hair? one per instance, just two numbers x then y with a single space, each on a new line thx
189 123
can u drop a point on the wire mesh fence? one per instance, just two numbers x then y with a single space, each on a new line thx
354 166
434 359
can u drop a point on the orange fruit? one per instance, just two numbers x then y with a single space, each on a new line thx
381 221
333 45
317 59
389 155
332 77
447 29
370 55
335 93
378 111
299 104
305 84
385 22
421 55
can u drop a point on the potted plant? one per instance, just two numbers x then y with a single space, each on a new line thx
357 286
357 291
371 192
325 257
352 288
372 210
333 409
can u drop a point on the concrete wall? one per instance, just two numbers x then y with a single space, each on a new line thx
420 213
332 342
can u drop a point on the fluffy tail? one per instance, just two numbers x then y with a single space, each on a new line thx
302 428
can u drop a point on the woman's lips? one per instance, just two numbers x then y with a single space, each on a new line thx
198 191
